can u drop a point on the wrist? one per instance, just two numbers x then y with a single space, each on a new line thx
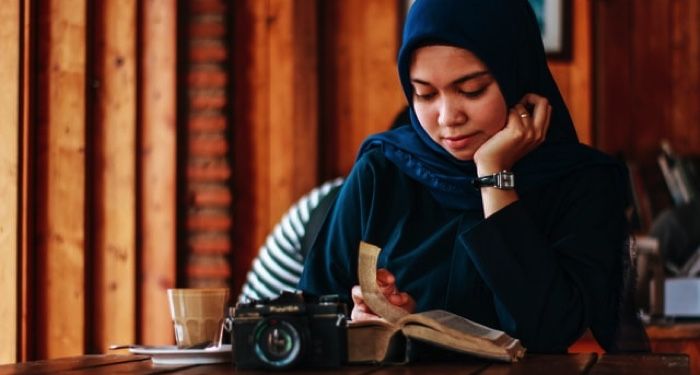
504 180
484 169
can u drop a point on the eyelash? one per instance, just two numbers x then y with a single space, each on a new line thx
473 94
424 97
466 94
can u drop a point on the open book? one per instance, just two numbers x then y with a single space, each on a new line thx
386 339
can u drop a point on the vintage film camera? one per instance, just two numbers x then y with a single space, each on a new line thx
290 331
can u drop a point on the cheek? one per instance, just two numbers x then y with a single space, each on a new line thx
495 115
427 117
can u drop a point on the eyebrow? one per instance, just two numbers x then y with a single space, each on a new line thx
457 81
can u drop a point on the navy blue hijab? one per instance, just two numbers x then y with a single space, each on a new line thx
504 34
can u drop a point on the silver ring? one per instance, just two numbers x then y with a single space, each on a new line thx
524 114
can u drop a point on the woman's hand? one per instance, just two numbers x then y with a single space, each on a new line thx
387 285
523 132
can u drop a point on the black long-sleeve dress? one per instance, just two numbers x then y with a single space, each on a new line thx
543 269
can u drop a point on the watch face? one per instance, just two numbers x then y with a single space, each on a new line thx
505 180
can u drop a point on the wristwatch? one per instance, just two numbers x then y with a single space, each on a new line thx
504 180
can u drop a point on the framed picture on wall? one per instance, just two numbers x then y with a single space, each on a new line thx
554 19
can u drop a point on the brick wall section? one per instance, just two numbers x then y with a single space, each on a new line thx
208 221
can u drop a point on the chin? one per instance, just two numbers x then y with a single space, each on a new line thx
465 155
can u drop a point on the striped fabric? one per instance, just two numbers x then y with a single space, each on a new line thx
279 262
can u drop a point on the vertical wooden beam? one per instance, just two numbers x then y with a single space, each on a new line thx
649 118
9 177
582 72
293 103
27 347
360 90
685 75
60 231
575 76
612 75
647 77
158 173
275 117
114 227
250 128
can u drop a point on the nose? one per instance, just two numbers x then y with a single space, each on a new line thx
451 113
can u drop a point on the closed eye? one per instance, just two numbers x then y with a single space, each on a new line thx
424 97
473 94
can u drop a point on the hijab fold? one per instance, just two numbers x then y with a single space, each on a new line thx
504 34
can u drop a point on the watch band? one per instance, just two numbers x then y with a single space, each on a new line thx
504 180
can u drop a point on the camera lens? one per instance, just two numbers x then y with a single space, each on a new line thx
277 343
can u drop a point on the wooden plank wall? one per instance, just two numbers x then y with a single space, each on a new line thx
360 89
60 246
574 75
157 158
88 174
9 177
25 217
275 117
251 164
113 166
647 74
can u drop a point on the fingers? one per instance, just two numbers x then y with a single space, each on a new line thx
538 119
360 310
404 301
398 299
357 316
386 282
385 277
387 285
356 294
521 122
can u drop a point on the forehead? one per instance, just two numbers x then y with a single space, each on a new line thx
444 60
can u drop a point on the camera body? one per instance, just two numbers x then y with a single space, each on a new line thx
290 331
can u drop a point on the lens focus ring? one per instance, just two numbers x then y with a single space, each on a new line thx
277 343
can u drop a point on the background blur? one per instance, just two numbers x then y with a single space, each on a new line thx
153 144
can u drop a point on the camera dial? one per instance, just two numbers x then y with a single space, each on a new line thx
277 343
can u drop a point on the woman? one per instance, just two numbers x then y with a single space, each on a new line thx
542 260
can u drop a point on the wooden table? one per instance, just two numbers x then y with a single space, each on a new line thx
582 363
677 338
682 337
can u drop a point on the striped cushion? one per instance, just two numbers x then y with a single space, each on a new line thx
279 262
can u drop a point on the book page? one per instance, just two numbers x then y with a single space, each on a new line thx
481 348
372 322
459 333
374 298
453 324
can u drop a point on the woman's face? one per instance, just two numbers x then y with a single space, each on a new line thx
456 100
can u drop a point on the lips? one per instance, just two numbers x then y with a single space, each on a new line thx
457 142
457 138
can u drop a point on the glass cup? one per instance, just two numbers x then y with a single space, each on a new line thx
198 316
